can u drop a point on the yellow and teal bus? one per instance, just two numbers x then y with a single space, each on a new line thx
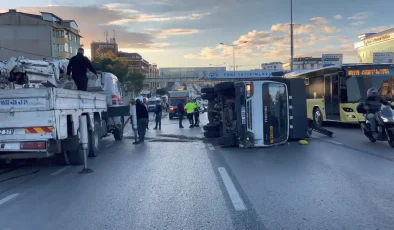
333 93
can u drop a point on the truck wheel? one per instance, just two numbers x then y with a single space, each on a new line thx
63 158
211 128
211 134
118 133
77 157
104 129
170 117
207 90
228 140
208 96
225 88
94 140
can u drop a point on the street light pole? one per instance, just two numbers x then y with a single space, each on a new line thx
291 37
233 52
234 58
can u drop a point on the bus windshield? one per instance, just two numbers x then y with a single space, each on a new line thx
361 79
275 113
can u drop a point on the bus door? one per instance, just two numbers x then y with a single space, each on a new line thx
331 96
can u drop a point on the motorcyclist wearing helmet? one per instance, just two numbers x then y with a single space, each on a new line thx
370 107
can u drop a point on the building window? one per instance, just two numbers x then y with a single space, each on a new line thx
76 51
65 33
71 49
75 38
66 47
60 48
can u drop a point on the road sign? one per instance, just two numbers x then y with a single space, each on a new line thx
383 57
332 60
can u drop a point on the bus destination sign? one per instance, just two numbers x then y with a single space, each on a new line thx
368 72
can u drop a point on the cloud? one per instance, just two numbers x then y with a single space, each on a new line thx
92 22
359 23
155 18
359 16
303 29
162 34
338 17
275 44
319 20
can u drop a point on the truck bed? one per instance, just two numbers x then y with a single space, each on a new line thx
45 99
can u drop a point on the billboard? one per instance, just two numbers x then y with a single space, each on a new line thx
384 57
332 60
238 74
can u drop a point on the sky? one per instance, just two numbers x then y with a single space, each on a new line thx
188 33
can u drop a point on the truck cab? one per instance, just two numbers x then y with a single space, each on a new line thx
256 113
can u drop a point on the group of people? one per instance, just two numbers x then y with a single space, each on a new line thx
193 113
142 114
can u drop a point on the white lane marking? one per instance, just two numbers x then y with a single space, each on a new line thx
60 170
210 146
8 198
231 190
330 141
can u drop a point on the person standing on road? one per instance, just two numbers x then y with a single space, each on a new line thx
78 67
142 120
145 102
196 113
190 111
133 103
157 113
181 113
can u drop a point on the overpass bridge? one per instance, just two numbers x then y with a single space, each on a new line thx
176 79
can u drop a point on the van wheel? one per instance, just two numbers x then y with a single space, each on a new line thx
211 134
94 140
118 133
317 117
225 88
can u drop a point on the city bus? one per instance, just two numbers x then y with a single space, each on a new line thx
333 93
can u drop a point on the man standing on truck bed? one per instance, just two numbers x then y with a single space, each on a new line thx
78 66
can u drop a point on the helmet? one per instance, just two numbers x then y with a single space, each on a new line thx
372 93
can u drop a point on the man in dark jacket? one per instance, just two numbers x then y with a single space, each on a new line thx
142 120
157 113
181 113
78 66
370 107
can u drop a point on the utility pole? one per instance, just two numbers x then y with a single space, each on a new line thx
291 36
234 59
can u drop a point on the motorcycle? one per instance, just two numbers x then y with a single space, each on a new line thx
384 124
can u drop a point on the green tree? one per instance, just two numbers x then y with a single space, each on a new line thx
135 82
108 62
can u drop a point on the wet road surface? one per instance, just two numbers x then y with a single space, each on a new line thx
176 180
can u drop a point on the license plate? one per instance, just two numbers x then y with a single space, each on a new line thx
14 102
6 131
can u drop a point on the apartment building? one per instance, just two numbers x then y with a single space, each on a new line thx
37 36
98 48
135 62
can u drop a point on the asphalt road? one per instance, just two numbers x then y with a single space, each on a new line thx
176 180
